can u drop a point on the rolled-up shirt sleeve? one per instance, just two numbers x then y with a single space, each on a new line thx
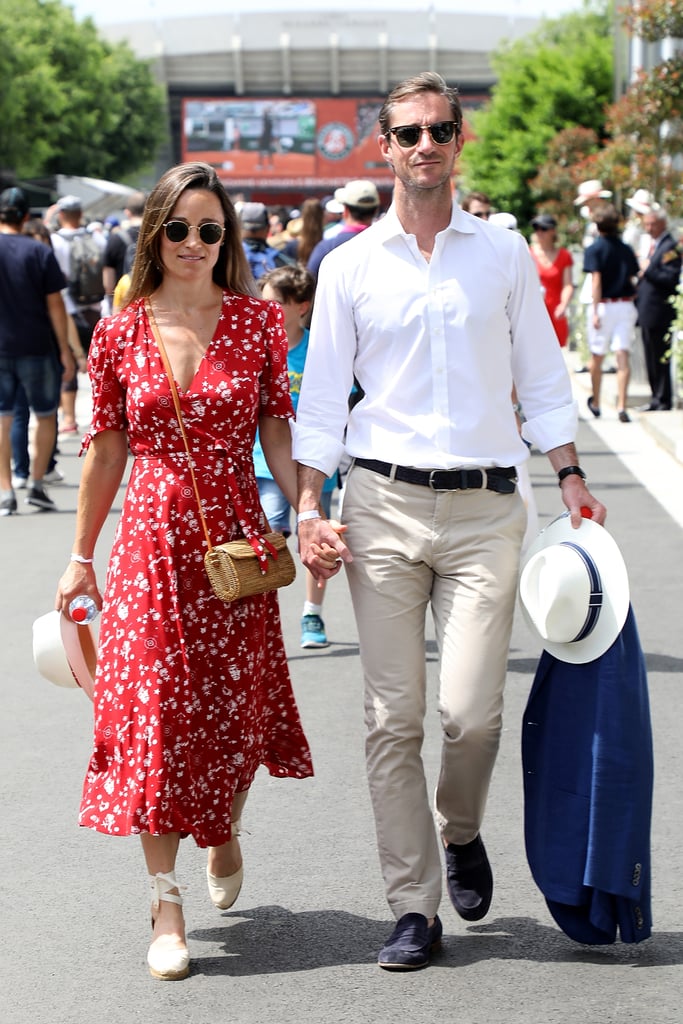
323 409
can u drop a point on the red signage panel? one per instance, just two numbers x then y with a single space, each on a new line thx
285 142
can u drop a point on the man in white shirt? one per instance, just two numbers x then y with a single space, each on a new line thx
437 314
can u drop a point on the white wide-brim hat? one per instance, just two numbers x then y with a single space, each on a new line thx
641 201
591 190
574 590
66 653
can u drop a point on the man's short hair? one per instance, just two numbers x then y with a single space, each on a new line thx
135 204
478 197
606 219
14 205
427 81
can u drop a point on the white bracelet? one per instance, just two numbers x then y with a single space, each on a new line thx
312 513
81 559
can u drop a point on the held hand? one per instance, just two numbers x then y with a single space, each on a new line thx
321 548
78 580
581 503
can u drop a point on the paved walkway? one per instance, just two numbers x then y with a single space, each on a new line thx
300 945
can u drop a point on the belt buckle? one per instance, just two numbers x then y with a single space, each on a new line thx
432 474
464 484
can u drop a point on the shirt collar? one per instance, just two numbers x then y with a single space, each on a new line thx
390 226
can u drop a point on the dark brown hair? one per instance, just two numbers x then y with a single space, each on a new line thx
427 81
293 283
231 270
311 229
606 219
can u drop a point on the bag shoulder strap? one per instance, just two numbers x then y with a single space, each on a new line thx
176 402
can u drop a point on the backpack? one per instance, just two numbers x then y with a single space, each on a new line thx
263 258
85 285
129 254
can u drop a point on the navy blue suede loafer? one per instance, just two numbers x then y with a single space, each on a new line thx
410 944
469 879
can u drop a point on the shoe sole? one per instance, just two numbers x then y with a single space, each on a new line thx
310 644
45 507
171 975
5 512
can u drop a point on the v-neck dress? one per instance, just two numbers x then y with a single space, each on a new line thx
192 694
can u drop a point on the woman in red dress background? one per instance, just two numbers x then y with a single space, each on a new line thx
192 694
554 265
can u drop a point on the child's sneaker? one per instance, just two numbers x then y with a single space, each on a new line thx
313 632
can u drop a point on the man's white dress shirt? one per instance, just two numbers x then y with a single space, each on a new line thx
436 347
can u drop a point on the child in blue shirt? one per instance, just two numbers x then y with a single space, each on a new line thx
293 287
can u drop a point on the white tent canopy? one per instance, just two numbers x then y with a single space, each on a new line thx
100 198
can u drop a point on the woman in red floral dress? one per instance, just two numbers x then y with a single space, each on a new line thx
192 694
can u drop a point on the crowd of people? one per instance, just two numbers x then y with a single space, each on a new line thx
309 352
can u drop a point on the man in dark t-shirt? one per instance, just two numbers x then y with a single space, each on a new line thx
612 314
32 316
120 242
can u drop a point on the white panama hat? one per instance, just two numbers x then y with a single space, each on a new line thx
641 201
591 190
574 590
66 653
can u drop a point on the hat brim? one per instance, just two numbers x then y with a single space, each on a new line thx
604 551
603 194
66 653
638 207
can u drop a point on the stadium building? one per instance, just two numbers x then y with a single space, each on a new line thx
285 104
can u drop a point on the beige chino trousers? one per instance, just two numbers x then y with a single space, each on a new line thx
459 552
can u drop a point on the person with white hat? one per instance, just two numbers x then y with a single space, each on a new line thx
590 194
438 316
634 234
591 191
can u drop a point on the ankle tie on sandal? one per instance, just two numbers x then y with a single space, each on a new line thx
161 885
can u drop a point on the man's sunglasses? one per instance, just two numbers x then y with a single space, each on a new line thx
210 232
408 135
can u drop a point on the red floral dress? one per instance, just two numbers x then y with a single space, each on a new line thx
192 694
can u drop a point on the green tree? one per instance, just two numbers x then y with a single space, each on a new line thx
558 77
71 103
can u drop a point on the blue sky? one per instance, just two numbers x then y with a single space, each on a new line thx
105 12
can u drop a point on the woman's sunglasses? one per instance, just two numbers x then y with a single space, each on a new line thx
209 233
408 135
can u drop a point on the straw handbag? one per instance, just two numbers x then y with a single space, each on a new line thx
238 568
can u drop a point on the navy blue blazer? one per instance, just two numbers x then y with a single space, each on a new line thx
658 284
588 777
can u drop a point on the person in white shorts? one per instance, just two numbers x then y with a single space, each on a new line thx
613 269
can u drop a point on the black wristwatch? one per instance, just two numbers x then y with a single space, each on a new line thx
570 471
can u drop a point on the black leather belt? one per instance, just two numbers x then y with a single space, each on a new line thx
498 479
